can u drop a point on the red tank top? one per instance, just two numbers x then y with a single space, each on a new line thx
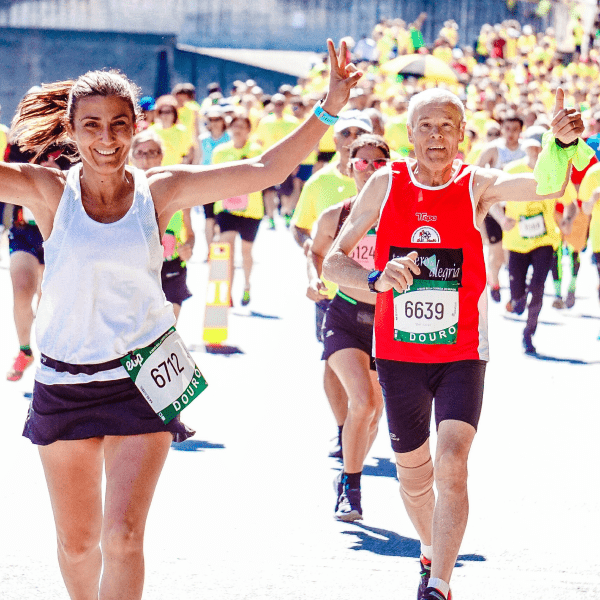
443 316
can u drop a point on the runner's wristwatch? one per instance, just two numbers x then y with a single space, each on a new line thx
372 279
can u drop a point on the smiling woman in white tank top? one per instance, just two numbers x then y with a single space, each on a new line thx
102 299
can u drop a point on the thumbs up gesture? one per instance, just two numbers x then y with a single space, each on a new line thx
567 124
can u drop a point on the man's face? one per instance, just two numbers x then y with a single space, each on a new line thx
344 138
436 131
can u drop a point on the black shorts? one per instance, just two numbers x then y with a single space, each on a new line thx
348 325
493 229
325 156
174 281
320 310
409 390
246 227
304 172
86 410
209 210
26 238
283 189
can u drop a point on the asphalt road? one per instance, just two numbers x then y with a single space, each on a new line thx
244 509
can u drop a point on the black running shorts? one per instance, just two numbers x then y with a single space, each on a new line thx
493 229
410 388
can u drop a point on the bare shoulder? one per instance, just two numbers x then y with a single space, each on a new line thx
376 189
49 183
484 180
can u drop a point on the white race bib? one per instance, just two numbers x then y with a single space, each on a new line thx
166 374
427 313
532 227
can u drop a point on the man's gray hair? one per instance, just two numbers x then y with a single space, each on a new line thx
434 95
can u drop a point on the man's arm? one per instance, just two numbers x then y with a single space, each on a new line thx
340 268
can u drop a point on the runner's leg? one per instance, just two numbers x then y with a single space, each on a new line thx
364 406
247 262
73 471
25 275
452 507
133 466
336 395
541 260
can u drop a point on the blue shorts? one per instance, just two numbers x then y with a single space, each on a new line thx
26 238
410 388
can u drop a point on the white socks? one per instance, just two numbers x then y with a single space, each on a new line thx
439 584
426 551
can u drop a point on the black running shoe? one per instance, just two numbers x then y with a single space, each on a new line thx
495 294
435 594
348 506
425 574
528 346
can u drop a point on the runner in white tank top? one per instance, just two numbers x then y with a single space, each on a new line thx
105 222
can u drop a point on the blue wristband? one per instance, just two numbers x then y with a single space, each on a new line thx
323 116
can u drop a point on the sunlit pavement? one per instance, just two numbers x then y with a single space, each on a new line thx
244 509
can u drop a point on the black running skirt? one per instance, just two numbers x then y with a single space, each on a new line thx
86 410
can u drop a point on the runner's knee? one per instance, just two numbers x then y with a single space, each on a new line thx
75 548
451 469
416 484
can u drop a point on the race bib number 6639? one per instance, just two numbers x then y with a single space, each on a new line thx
166 375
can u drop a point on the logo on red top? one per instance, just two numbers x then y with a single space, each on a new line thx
425 235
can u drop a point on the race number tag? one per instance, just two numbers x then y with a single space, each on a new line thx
166 374
364 253
427 313
236 203
532 227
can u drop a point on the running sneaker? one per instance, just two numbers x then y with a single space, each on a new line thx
495 294
21 363
287 219
558 303
348 505
336 451
338 488
425 574
435 594
246 298
528 346
272 224
570 302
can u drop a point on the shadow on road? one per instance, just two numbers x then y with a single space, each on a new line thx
571 361
384 468
258 315
195 446
387 543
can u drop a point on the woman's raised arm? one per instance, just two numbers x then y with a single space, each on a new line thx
179 187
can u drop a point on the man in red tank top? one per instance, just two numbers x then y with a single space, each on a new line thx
431 314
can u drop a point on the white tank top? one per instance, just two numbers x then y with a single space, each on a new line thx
101 292
505 155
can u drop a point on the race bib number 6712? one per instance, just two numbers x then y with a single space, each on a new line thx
166 375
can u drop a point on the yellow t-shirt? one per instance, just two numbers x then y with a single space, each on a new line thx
535 226
3 141
188 115
322 190
271 129
591 181
227 153
177 143
396 134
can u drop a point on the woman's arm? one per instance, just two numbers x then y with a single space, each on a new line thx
324 235
37 188
178 187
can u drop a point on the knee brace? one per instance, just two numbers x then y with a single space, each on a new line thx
416 484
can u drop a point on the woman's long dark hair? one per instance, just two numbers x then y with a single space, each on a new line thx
43 115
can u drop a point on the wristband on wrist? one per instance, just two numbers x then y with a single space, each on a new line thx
324 116
563 145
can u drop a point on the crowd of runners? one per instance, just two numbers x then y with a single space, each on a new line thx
391 185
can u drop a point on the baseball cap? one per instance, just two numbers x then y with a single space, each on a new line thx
353 118
147 103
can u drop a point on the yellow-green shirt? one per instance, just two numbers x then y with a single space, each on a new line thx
271 129
227 153
176 141
3 141
537 217
591 181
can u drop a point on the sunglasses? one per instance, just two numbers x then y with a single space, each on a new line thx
347 133
361 164
148 154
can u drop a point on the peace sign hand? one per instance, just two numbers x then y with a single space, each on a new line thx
567 124
342 78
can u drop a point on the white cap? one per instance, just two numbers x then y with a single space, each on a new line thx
353 118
